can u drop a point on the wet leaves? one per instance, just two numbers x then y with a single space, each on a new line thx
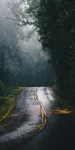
60 111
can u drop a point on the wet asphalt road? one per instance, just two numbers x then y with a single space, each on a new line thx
59 133
23 119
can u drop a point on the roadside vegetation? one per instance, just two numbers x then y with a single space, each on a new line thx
56 26
7 99
8 77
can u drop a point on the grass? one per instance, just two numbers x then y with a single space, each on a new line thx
7 102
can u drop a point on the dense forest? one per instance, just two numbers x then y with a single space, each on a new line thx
22 61
56 26
21 65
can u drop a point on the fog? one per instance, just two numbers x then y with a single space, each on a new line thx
24 54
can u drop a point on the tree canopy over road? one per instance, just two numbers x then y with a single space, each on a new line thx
55 20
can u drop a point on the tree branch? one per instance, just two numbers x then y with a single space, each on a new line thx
2 18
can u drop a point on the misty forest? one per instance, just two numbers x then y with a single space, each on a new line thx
37 45
37 49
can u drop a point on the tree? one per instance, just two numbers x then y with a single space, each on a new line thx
56 26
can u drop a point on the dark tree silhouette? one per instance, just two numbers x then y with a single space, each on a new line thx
55 20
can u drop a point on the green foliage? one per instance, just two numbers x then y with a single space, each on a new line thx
7 100
55 20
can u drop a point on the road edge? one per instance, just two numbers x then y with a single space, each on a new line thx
35 131
11 107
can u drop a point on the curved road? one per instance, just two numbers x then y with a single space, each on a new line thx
59 132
